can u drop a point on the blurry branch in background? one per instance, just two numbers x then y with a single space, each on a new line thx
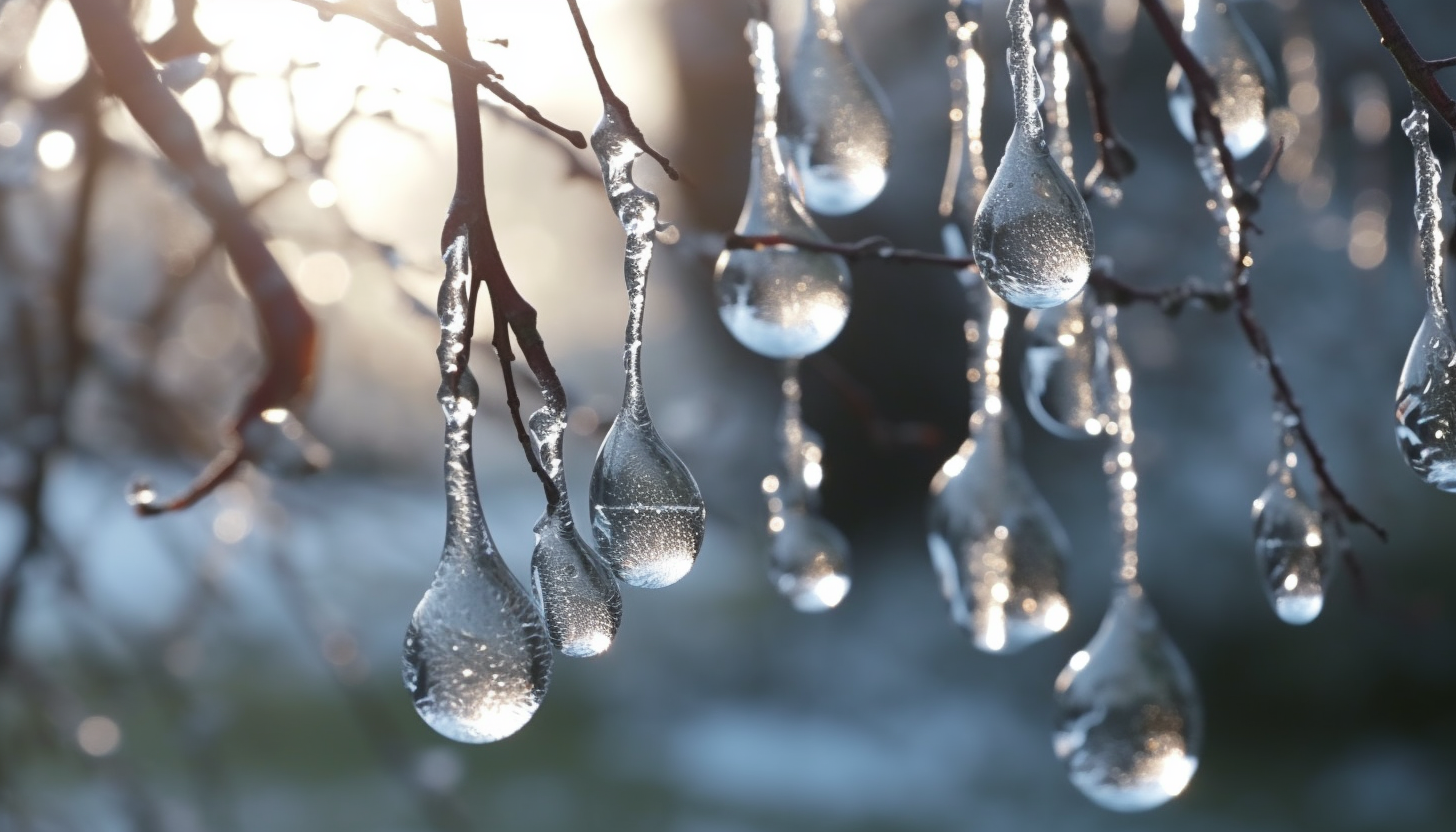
469 218
610 100
389 20
1235 293
1420 72
1114 161
287 329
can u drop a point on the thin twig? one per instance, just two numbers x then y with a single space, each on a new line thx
459 60
1420 72
1115 160
610 100
469 216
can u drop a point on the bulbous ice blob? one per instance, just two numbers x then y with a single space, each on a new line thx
576 591
1217 35
648 515
837 119
1129 721
1067 373
1425 406
1032 235
1290 549
809 562
996 545
780 301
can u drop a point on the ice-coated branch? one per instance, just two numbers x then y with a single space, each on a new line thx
1114 159
287 329
459 61
610 100
469 216
1420 72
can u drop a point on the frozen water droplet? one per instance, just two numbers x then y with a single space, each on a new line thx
1217 35
837 121
996 545
781 301
1067 375
965 176
809 562
1290 548
1032 234
1129 722
476 655
648 516
647 513
1425 401
576 591
140 493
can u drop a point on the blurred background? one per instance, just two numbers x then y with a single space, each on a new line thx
236 667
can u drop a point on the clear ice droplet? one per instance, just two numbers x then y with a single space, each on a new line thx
476 655
837 119
1290 549
1129 720
1425 401
995 543
809 562
1032 235
1218 36
576 591
780 301
1067 373
648 516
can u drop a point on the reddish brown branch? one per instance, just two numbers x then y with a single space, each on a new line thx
287 330
1115 161
610 100
459 60
1420 72
469 216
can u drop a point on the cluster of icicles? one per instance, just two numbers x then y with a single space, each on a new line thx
1129 720
477 655
479 648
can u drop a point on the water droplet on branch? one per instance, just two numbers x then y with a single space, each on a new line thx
1129 720
1289 543
780 301
837 122
1066 374
1218 36
648 515
1032 235
476 655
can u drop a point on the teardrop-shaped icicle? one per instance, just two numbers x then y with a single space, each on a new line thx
1217 35
648 515
1067 375
1290 547
809 562
837 118
1032 235
780 301
1129 720
997 546
576 591
476 656
1425 401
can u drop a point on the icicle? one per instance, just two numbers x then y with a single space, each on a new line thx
994 541
839 127
1130 722
808 557
476 655
1290 548
648 515
1217 35
1053 37
782 301
1067 374
1032 235
1425 401
576 591
966 174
